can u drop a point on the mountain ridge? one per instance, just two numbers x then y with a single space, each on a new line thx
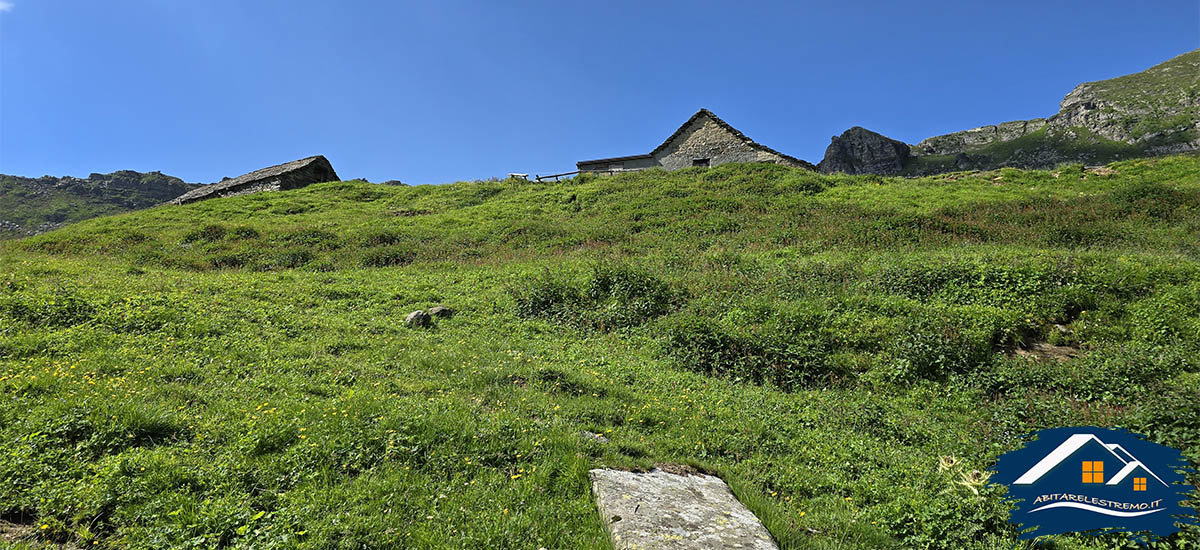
1149 113
29 206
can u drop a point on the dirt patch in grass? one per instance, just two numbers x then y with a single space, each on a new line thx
1045 351
677 469
12 533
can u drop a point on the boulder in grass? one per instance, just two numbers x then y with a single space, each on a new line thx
670 511
418 319
441 311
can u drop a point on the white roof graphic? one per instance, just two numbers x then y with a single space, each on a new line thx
1074 443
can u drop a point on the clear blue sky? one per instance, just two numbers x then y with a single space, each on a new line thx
444 90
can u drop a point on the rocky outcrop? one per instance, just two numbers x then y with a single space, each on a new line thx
1144 107
126 185
975 138
861 151
290 175
1154 112
37 205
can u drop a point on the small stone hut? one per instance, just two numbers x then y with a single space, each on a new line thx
289 175
704 140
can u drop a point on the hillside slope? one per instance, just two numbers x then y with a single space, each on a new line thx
29 206
1153 112
849 352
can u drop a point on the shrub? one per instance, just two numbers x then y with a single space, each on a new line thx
228 260
314 238
946 514
788 356
621 296
1173 416
1151 199
546 296
387 256
934 345
1078 236
804 184
614 297
289 259
59 308
208 233
700 344
243 232
1171 315
1110 373
381 238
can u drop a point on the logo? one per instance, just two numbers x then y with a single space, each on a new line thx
1095 479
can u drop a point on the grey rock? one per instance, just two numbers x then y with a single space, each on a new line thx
861 151
668 511
441 311
975 138
282 177
594 436
418 319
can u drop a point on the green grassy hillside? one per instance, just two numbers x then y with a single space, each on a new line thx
849 352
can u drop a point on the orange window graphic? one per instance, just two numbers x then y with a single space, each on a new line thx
1093 471
1139 484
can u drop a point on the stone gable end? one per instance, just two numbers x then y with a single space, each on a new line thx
706 139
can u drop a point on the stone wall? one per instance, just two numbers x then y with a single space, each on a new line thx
704 138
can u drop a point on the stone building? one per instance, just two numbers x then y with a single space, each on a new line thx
289 175
704 140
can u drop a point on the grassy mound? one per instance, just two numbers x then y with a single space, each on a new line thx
236 373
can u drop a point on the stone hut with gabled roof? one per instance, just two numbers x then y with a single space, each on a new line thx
289 175
704 140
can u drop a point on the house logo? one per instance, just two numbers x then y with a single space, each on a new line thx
1080 479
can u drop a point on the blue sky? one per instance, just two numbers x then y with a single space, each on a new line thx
437 91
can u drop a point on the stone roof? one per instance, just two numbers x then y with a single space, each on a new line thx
317 165
683 128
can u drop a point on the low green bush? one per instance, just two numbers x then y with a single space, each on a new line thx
613 297
934 345
60 307
789 353
211 232
388 256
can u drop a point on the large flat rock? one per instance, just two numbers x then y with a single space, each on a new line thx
664 511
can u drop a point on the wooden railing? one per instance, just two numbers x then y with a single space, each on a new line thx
555 176
609 172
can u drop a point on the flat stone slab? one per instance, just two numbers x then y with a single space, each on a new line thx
665 511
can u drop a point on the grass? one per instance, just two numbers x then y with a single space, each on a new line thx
235 373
